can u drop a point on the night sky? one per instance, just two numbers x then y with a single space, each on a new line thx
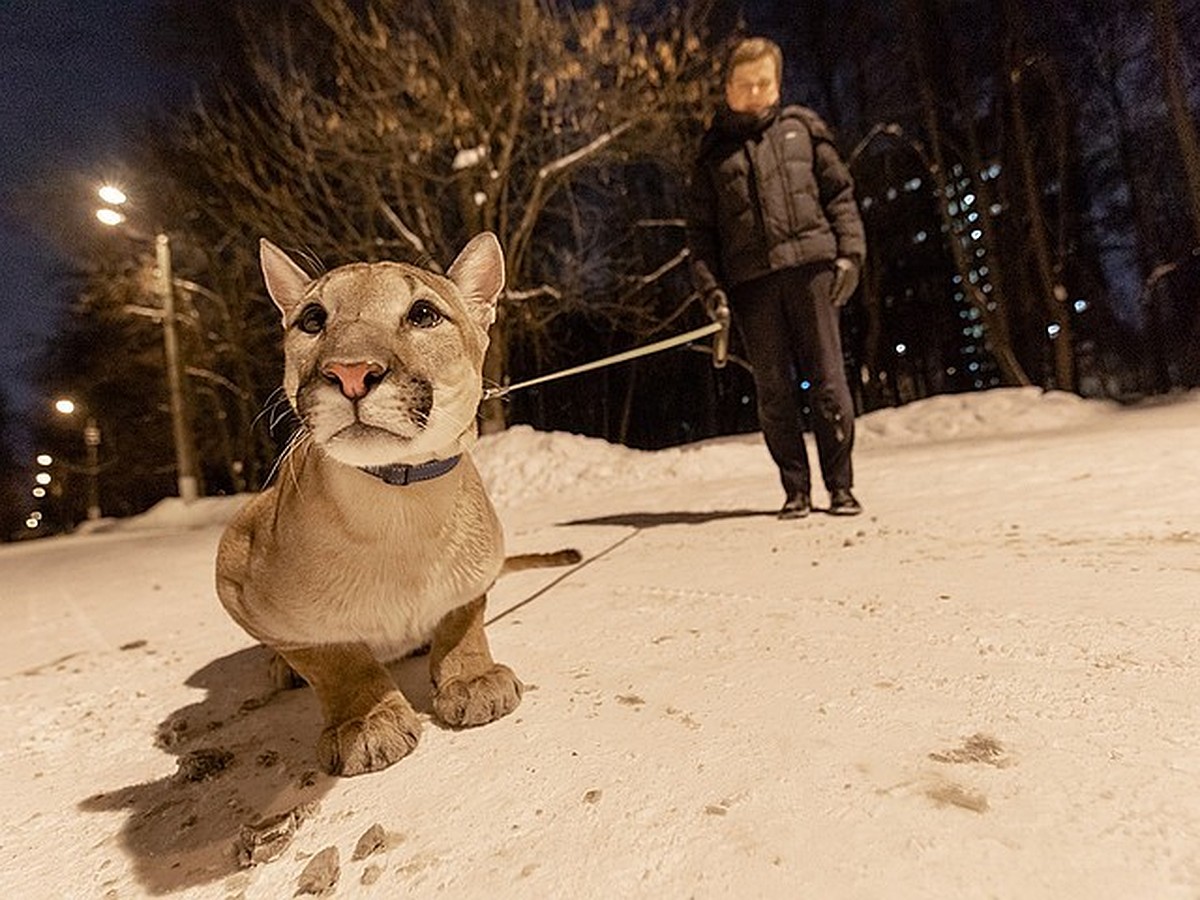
74 75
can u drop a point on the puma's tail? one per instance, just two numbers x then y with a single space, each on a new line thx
567 557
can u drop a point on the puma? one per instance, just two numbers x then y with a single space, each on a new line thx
377 537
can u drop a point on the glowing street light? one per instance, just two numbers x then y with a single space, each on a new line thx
45 459
43 478
181 428
91 440
110 216
110 193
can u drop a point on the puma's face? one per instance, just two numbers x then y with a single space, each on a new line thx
382 361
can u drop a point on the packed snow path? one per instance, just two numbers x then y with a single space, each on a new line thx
984 686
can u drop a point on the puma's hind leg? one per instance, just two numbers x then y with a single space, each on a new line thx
368 723
469 687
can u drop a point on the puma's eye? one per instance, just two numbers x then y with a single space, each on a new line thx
312 319
424 314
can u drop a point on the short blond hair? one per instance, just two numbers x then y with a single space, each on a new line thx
753 49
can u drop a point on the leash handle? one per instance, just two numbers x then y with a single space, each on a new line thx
493 393
720 350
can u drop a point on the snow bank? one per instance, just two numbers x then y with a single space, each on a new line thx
522 463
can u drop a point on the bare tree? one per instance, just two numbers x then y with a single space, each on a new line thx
1168 43
419 124
1048 260
992 308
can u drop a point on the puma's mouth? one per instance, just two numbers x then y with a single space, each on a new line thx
358 431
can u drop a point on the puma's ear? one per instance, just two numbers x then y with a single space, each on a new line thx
478 273
285 280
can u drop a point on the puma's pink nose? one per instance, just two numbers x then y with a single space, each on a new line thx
355 379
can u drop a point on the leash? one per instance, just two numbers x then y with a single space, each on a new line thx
564 576
720 349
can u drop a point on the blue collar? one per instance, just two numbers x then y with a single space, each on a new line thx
402 474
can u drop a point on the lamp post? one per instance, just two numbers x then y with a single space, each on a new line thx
91 441
181 426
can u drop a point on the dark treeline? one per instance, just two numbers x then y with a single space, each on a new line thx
1028 172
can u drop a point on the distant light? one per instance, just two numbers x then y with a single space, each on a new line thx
951 370
39 492
867 202
36 515
45 459
43 478
976 234
901 349
892 194
31 523
1053 329
110 216
805 384
995 209
920 237
110 193
1080 305
64 406
913 184
469 157
968 199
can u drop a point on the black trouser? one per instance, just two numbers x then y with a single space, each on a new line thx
791 328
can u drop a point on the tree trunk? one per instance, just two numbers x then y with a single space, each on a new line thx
991 312
1167 39
1051 292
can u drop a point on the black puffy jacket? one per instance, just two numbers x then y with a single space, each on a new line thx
769 193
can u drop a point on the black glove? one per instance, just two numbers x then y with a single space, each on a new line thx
845 280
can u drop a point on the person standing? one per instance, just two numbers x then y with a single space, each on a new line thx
773 228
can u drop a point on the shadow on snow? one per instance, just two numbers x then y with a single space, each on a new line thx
246 752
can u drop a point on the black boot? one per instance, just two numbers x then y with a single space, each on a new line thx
842 503
797 506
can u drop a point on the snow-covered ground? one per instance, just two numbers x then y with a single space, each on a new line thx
988 685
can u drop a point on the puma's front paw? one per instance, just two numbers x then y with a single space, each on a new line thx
479 700
385 735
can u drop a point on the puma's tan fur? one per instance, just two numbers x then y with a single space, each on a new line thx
339 571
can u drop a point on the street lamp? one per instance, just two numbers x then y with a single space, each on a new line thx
91 440
181 427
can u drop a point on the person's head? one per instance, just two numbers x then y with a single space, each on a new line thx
752 75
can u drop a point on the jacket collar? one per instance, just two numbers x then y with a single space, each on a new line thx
744 125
